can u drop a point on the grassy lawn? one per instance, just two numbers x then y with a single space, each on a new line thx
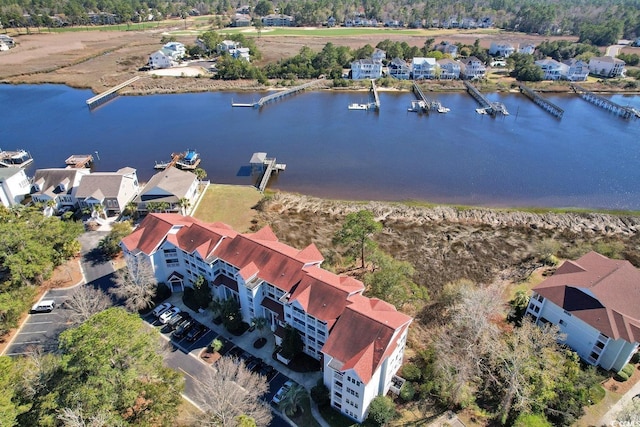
231 204
305 418
342 31
187 413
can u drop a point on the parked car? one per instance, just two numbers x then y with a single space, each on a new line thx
196 332
281 392
268 371
167 315
175 320
254 364
44 306
183 329
161 309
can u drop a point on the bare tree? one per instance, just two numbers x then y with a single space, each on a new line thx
629 415
136 284
75 418
464 344
228 391
85 302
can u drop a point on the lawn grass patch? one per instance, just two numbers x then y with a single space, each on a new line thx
231 204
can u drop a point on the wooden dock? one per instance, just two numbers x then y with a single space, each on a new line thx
79 161
619 110
279 95
109 94
376 99
488 107
427 103
545 104
260 163
181 161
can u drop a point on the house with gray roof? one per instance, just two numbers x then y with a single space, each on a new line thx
58 185
112 190
169 186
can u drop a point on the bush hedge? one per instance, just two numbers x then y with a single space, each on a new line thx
407 392
621 376
411 372
636 357
628 369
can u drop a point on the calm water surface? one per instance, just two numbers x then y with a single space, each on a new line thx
589 159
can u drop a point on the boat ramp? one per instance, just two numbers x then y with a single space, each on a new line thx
189 160
109 94
265 166
278 95
487 107
425 104
546 105
15 159
624 112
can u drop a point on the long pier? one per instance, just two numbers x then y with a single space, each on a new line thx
488 107
624 112
109 94
428 103
278 95
376 98
545 104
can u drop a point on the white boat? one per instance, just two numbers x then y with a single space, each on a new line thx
356 106
17 158
443 110
417 106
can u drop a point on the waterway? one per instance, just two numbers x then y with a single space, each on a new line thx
589 159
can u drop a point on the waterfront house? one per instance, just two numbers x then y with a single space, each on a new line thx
359 341
169 186
366 69
399 69
595 301
174 50
112 190
158 60
276 20
424 68
57 185
449 69
14 186
472 68
552 69
606 66
501 49
527 49
577 70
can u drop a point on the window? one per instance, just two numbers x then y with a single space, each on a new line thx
172 262
594 355
562 322
600 345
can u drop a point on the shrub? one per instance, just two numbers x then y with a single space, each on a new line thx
621 376
407 392
636 357
628 369
188 298
216 345
320 395
596 393
531 420
162 293
411 372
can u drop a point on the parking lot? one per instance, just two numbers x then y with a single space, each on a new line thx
40 330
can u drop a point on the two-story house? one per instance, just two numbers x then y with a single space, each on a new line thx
275 20
169 186
359 341
112 190
366 69
501 49
57 185
595 301
14 186
552 69
449 69
399 69
576 71
472 68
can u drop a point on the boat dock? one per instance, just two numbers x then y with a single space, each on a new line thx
79 161
426 103
265 166
376 99
278 95
15 159
487 107
109 94
189 160
624 112
546 105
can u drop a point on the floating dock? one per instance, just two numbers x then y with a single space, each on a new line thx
107 95
15 159
79 161
424 104
278 95
261 164
619 110
545 104
488 107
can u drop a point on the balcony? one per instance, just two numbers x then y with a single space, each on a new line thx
396 384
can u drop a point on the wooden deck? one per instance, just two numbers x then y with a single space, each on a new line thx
79 161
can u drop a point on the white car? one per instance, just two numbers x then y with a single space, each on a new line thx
283 390
161 309
167 315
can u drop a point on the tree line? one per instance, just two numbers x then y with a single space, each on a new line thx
597 21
